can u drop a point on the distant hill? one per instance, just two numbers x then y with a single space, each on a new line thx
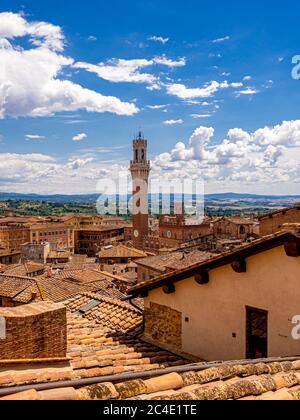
92 198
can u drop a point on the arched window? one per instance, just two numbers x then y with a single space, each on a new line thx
136 155
242 230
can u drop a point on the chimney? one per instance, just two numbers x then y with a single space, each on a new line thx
33 296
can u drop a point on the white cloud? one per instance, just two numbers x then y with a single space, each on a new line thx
31 80
79 137
247 91
267 156
34 137
159 39
92 38
220 40
201 115
79 163
173 122
157 106
128 71
181 91
246 78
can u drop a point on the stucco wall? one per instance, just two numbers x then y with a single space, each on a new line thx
217 310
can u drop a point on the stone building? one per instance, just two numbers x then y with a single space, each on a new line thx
236 305
237 228
13 234
176 230
60 236
88 241
9 256
35 252
273 222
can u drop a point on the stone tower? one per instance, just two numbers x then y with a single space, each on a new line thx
140 170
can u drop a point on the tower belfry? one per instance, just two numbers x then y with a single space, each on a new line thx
140 170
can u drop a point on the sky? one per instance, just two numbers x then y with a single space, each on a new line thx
213 86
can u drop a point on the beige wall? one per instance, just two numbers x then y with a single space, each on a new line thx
218 310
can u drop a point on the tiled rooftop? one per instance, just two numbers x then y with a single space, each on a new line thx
56 289
112 314
101 342
121 251
24 269
264 380
175 260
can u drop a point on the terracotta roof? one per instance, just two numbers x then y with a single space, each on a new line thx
240 380
82 276
174 260
97 347
56 289
228 257
112 314
24 269
121 251
230 381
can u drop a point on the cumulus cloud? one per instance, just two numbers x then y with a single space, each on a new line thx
31 80
79 137
182 92
264 156
160 39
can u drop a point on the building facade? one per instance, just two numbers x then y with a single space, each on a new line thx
234 306
60 236
175 231
89 241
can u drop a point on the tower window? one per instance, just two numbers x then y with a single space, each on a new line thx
136 155
143 154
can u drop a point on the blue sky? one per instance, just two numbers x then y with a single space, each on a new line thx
209 83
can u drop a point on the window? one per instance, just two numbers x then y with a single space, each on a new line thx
242 230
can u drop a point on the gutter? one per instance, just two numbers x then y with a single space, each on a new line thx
80 383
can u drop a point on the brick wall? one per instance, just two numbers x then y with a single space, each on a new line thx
35 331
273 223
163 325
